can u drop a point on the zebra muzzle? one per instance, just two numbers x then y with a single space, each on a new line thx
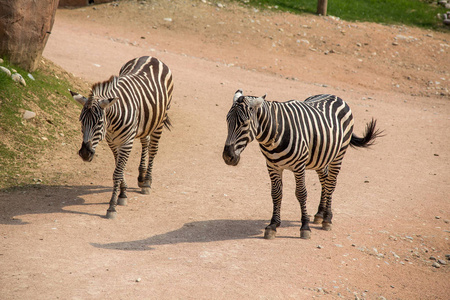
86 152
229 156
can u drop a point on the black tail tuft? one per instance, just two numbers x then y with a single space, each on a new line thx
369 136
167 122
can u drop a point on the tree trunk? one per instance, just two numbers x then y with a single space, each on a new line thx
24 29
322 7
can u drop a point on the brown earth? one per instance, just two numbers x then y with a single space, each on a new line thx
199 234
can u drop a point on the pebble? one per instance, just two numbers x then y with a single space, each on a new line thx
319 247
18 78
31 77
436 265
7 71
27 115
441 262
138 280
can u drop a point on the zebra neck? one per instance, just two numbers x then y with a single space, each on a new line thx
267 130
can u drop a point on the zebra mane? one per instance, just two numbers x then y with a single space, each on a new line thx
103 89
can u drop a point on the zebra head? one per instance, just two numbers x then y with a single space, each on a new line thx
92 120
242 126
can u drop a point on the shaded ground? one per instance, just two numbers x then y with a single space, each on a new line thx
199 234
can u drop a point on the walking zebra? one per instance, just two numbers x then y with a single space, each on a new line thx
296 136
126 107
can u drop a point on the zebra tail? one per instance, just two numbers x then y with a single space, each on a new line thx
167 122
369 136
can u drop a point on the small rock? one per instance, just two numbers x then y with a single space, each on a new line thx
436 265
437 217
319 246
441 262
7 71
18 78
138 280
1 60
27 115
432 258
31 77
168 19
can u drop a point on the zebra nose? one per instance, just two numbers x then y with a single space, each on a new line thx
86 152
229 155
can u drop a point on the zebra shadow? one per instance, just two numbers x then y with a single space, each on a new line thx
44 199
199 232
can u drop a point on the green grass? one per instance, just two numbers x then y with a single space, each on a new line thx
22 142
408 12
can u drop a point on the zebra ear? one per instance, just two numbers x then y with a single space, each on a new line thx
107 102
237 95
79 98
256 102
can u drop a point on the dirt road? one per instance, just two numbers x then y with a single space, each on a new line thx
199 234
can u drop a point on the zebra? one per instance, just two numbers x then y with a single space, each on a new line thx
130 106
296 136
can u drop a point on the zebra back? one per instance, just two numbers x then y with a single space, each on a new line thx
144 88
313 132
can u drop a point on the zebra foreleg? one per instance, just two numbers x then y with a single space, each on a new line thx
301 194
119 195
277 195
123 199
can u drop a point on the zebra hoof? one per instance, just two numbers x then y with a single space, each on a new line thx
122 201
111 215
326 226
305 234
145 190
270 234
318 220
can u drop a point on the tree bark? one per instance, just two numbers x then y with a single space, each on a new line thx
25 26
322 7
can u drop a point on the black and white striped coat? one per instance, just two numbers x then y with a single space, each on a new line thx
126 107
294 135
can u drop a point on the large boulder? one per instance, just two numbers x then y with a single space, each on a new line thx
24 30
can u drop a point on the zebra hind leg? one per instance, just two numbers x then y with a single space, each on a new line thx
318 217
330 185
152 150
277 195
142 182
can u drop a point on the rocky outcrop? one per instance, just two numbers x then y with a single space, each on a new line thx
24 30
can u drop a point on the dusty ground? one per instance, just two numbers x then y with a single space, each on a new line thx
199 234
